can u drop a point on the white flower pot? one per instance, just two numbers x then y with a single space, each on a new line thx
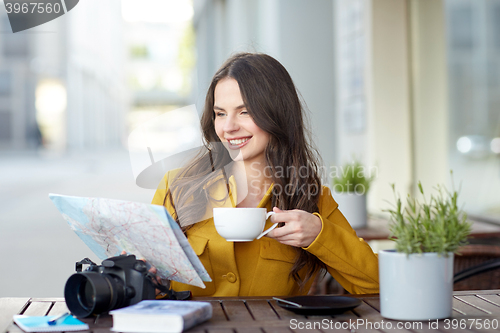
353 207
415 287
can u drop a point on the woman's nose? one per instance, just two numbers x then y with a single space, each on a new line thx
230 125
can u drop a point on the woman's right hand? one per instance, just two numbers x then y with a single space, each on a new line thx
300 230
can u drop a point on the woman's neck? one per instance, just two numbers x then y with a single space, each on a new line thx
252 181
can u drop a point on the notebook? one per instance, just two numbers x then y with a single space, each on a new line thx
41 324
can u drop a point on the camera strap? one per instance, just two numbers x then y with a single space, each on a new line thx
82 262
167 293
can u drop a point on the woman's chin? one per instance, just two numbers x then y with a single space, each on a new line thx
236 155
238 159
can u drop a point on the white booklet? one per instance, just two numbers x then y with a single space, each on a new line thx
109 227
43 324
161 316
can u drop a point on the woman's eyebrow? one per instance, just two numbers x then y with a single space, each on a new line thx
242 106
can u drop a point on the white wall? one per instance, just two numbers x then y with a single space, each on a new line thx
429 93
389 100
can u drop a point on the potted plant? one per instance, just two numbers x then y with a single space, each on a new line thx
416 279
350 187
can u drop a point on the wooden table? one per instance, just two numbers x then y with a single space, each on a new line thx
263 315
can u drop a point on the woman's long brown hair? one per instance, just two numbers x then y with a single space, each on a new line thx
273 102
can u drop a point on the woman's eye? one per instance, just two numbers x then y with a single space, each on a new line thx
244 112
220 114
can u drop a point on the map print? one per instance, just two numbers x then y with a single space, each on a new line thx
109 227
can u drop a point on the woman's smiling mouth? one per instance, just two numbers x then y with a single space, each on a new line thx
238 143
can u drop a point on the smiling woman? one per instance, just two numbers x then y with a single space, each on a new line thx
253 129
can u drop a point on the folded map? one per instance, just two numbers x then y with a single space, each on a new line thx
109 227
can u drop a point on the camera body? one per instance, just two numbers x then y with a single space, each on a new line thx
118 282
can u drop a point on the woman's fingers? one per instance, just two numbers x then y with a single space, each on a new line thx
152 269
301 228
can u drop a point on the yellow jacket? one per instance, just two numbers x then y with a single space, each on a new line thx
265 264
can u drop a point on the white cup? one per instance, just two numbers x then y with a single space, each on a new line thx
241 224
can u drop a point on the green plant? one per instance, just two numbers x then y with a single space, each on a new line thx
437 225
353 178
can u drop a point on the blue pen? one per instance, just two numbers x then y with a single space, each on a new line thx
58 319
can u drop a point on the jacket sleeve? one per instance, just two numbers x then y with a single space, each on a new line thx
349 259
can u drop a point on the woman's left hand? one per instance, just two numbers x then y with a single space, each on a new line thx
301 228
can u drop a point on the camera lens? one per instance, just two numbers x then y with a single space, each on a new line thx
91 293
86 295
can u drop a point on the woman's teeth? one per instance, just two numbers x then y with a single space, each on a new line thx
239 141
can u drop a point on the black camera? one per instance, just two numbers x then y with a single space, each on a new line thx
118 282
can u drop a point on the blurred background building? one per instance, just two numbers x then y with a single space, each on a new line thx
62 87
409 87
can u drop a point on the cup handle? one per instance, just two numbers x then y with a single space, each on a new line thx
270 228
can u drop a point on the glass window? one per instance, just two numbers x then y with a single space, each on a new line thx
474 100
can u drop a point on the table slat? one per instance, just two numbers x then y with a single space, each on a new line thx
495 299
103 320
479 303
306 330
467 309
8 308
451 330
218 313
220 330
250 324
384 325
282 313
97 330
362 329
373 302
277 330
476 292
425 328
366 311
416 326
261 310
236 310
13 328
58 308
335 325
248 330
38 308
348 315
47 299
